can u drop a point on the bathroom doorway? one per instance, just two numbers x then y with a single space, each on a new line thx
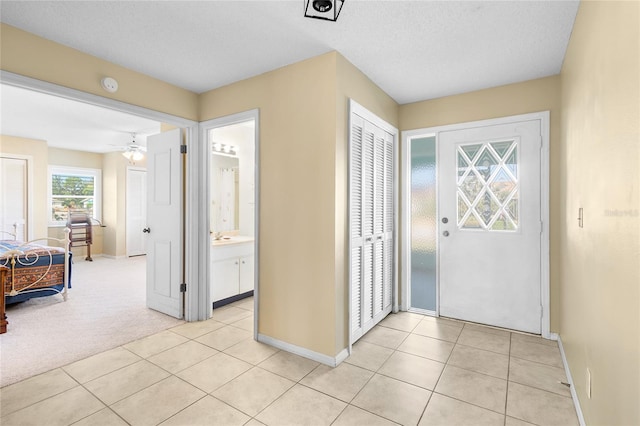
233 207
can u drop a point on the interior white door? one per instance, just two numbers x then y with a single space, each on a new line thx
136 211
490 212
371 223
165 223
14 196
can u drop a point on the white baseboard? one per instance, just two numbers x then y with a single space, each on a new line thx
304 352
574 395
108 256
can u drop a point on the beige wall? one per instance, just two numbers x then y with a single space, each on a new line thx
37 149
303 192
114 213
32 56
297 196
600 161
513 99
72 158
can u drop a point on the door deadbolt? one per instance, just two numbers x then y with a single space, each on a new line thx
445 220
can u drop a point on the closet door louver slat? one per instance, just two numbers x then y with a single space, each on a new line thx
371 196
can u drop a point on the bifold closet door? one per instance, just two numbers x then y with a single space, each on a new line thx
371 233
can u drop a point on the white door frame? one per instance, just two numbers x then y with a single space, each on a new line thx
205 237
544 206
29 188
196 284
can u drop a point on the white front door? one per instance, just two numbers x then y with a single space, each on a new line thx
165 223
136 211
490 224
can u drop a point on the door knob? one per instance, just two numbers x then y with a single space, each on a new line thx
445 220
146 230
445 233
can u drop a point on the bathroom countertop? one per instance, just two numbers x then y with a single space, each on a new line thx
225 241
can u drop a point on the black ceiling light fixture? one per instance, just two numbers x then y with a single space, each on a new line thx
323 9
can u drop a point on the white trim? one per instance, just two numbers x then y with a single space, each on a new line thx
422 311
543 116
192 312
109 256
205 238
544 216
29 160
572 388
304 352
21 81
406 221
197 286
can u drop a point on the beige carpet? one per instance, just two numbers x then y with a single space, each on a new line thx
105 309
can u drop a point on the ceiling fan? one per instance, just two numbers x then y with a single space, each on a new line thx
134 151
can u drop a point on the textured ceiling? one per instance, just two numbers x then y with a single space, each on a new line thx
413 50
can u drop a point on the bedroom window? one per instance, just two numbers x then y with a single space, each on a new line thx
74 189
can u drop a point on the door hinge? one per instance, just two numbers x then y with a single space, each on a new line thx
183 288
541 312
541 227
183 149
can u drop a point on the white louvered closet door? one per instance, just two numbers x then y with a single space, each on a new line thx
371 227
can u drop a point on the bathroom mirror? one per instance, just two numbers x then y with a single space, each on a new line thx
232 173
225 197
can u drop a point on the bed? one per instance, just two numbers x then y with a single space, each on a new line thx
34 268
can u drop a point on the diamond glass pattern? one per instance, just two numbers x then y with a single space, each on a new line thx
503 223
501 148
502 185
512 162
472 222
512 209
471 150
462 166
486 164
463 208
471 186
488 186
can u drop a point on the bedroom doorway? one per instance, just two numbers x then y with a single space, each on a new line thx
117 240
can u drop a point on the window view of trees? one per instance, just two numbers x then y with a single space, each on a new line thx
69 192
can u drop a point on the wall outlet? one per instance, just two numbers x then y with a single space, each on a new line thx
588 385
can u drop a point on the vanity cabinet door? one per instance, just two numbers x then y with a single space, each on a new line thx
225 275
246 273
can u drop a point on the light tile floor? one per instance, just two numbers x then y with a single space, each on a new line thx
410 370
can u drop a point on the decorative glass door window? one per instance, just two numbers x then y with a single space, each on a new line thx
488 185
